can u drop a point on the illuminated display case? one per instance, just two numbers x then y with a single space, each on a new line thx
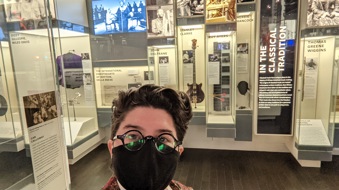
11 134
220 91
317 92
162 64
191 58
73 68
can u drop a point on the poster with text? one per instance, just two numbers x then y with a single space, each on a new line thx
46 141
276 69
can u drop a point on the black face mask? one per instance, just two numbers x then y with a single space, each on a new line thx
146 169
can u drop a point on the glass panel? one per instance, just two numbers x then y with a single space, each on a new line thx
191 56
220 48
162 64
315 110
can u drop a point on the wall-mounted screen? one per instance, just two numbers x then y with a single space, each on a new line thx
118 16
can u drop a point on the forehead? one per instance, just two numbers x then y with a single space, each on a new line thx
148 120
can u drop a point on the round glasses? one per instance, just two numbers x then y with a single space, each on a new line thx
133 140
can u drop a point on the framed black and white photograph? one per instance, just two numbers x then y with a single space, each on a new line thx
148 75
213 57
24 10
163 60
217 11
322 13
242 48
160 21
225 57
187 56
190 8
119 16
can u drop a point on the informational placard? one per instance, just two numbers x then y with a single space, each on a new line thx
213 73
110 80
276 68
45 139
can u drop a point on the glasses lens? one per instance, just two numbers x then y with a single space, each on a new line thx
166 143
133 140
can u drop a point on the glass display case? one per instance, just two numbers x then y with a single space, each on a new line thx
162 64
317 90
191 58
11 134
73 68
220 69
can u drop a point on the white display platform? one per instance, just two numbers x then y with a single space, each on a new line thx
7 131
79 129
312 133
220 119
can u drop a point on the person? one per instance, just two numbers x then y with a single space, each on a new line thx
323 9
158 23
184 7
123 16
148 127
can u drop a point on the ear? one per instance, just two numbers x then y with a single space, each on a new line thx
110 146
181 149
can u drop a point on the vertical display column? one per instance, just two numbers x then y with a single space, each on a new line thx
276 68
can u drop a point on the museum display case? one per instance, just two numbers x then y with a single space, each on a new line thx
162 66
191 61
220 91
73 68
11 134
317 91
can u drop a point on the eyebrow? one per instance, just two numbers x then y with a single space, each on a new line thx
137 127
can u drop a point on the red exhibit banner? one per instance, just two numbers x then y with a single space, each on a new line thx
276 66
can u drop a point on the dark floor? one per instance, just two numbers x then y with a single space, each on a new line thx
221 169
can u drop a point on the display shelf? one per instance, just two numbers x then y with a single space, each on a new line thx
10 130
82 127
312 133
215 119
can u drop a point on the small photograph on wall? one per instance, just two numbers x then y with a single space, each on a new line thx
40 108
85 56
148 75
213 57
322 12
219 46
220 11
23 10
187 56
190 8
163 60
242 48
160 21
225 57
311 64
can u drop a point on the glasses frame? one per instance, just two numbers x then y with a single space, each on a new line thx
154 139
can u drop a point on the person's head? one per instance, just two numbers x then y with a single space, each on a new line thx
160 13
148 126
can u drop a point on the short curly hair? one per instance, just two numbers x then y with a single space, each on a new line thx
176 103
